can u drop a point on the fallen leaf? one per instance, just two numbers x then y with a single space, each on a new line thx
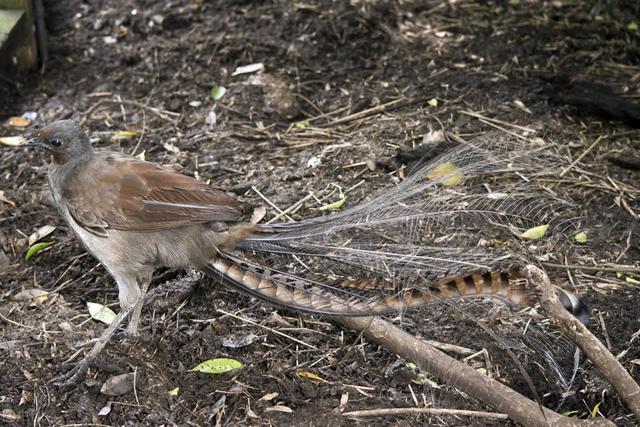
450 172
305 374
41 233
433 102
13 141
344 399
580 238
535 233
212 118
239 342
334 206
34 249
101 313
314 162
31 294
9 415
218 366
118 385
5 200
30 115
218 92
279 408
250 412
18 122
106 410
258 214
123 134
269 396
303 124
170 148
627 278
251 68
174 391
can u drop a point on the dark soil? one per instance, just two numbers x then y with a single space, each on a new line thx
323 60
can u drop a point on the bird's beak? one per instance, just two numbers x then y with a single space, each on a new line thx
31 142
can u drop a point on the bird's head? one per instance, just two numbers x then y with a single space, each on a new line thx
65 139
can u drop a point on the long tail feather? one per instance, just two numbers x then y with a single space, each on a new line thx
450 228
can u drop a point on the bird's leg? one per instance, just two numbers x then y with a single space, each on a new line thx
80 368
143 285
131 296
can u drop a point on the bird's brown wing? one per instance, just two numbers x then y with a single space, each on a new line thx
113 191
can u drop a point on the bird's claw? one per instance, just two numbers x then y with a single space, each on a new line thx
72 376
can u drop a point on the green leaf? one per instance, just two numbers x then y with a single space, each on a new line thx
303 124
35 248
580 238
630 280
514 2
101 313
41 233
218 92
632 26
594 411
334 206
535 233
174 391
218 366
123 134
433 102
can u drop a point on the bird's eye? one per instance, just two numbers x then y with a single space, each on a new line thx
55 143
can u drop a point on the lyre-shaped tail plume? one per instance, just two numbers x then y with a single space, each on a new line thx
439 233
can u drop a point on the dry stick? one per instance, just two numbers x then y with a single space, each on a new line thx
613 268
463 377
431 411
595 351
162 114
290 208
364 113
275 331
587 151
500 122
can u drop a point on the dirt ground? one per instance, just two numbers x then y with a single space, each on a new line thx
149 67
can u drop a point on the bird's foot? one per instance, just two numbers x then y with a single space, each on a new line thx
74 375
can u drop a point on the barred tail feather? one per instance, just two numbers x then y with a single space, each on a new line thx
298 293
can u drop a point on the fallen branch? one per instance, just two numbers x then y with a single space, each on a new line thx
466 379
430 411
595 351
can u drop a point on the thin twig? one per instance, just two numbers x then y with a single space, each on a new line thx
163 114
290 208
494 121
275 331
364 113
613 268
263 197
581 156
